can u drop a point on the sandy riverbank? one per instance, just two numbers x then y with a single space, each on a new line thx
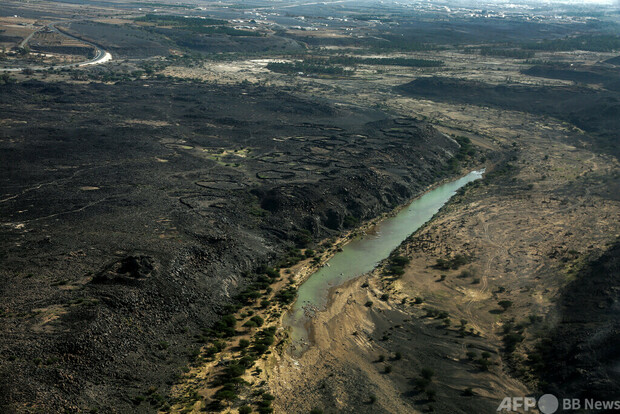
341 332
343 370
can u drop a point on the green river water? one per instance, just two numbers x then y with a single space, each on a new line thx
363 254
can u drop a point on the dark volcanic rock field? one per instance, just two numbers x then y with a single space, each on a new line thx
130 212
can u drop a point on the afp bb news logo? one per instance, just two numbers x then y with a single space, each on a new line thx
549 404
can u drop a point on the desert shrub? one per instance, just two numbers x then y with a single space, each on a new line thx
248 296
466 273
427 373
226 395
234 370
421 383
259 320
245 409
468 392
430 395
505 304
395 270
399 260
264 339
247 361
452 263
286 296
535 318
483 364
511 341
250 324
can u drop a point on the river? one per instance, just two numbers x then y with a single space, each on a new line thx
363 254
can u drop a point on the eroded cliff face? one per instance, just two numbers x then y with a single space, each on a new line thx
579 358
132 213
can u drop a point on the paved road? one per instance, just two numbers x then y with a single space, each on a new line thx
101 55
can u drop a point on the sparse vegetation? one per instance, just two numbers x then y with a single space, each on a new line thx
224 166
397 265
452 262
245 409
430 394
307 68
427 373
595 43
505 304
468 392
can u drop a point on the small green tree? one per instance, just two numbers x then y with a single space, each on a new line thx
505 304
250 324
258 320
483 364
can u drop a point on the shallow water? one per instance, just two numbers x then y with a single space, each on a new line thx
363 254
